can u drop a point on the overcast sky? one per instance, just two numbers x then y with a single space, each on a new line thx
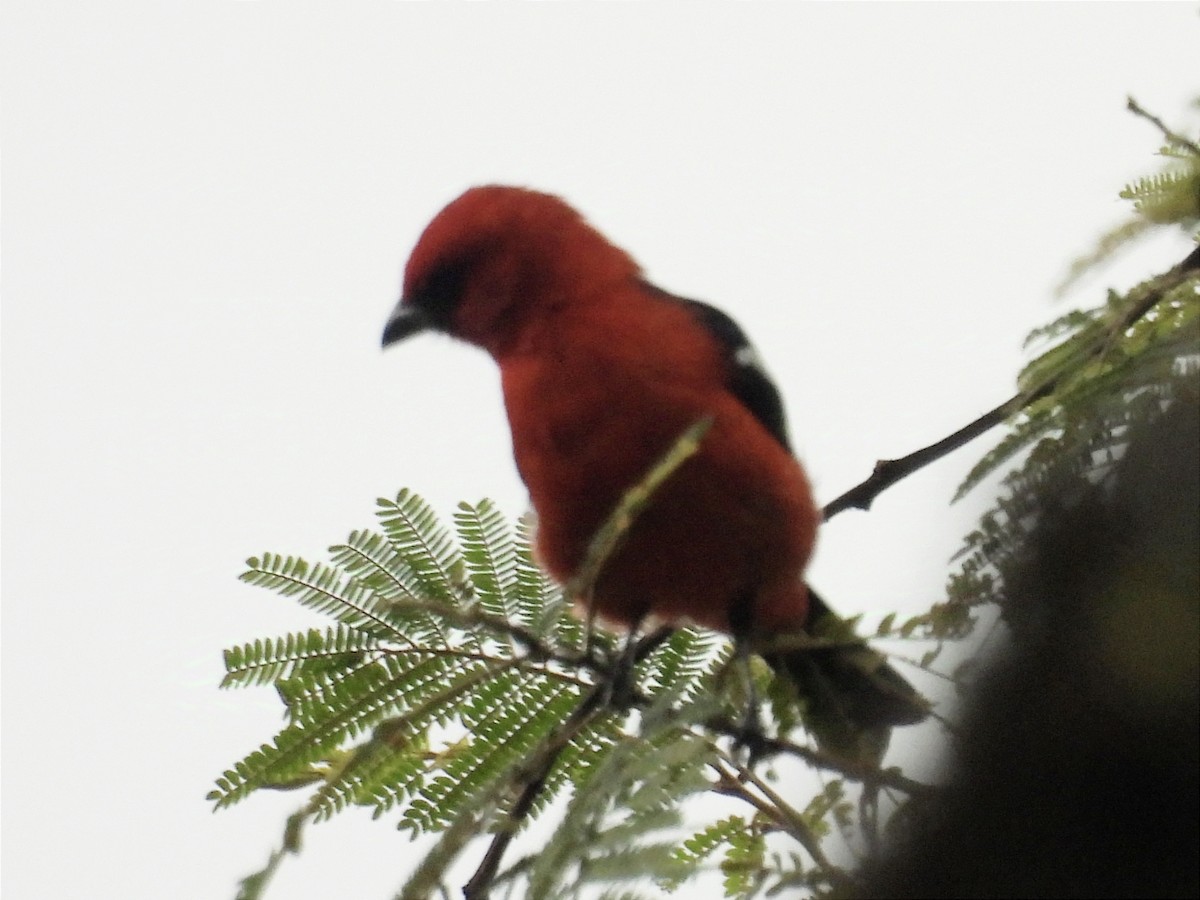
206 207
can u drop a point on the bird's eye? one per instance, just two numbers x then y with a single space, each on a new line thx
442 289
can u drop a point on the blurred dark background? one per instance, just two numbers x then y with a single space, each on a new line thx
1078 767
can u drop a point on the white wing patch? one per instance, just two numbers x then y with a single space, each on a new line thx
748 357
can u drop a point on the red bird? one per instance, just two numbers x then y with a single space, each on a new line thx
602 372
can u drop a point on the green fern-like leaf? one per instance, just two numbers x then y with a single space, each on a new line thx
291 755
322 588
684 664
541 604
659 769
703 844
403 734
489 551
298 655
424 544
1106 355
369 558
1083 451
452 681
494 754
1170 196
743 862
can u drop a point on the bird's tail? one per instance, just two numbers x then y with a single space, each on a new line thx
852 696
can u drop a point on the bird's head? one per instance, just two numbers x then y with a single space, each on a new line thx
497 259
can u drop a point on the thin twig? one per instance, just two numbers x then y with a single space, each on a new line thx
871 776
779 811
889 471
536 650
865 774
1133 106
794 822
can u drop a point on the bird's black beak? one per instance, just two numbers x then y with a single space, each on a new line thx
404 321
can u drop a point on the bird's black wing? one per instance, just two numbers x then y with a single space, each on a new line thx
749 382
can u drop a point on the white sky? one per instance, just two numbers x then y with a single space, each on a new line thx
206 207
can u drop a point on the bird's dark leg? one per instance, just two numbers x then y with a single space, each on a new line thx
620 676
751 734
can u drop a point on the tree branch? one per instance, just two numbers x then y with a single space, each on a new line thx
867 775
889 471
